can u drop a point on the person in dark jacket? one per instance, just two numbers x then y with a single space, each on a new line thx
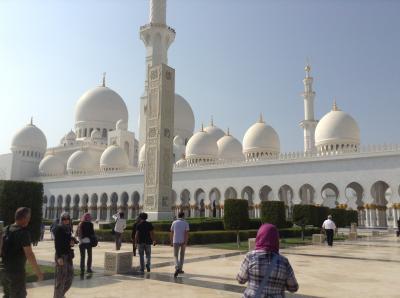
85 232
16 250
63 242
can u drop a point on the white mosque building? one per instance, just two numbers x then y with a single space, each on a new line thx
99 164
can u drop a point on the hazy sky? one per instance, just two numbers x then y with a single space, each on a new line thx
233 60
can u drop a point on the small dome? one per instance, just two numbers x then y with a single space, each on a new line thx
183 118
121 125
51 166
178 140
100 104
214 131
114 158
261 139
29 137
70 136
229 148
96 135
81 162
337 128
201 145
179 147
181 163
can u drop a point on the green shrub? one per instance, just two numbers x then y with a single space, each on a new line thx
304 214
339 217
16 194
273 212
321 213
351 216
254 223
236 214
296 232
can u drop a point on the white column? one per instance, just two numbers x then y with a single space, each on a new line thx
373 217
368 217
109 213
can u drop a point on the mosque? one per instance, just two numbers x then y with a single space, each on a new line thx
99 164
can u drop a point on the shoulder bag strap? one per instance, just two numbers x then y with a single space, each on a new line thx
263 283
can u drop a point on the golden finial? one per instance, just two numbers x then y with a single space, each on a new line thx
212 120
31 120
202 127
228 132
261 120
307 68
335 107
104 79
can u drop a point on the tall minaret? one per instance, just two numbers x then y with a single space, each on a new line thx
309 123
157 36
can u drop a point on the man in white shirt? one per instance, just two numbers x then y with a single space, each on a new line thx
179 237
329 227
120 226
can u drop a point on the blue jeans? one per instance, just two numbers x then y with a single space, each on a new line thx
144 248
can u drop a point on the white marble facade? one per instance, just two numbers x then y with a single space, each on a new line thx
99 164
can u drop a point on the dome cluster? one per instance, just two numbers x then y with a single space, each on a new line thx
211 144
101 117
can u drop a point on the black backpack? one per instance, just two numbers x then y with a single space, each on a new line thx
5 242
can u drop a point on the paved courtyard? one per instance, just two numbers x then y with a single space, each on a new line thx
366 268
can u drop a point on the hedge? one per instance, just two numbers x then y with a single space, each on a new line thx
315 215
236 214
203 224
304 215
344 218
207 237
16 194
352 217
273 212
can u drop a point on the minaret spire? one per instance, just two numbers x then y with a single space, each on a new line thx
309 123
158 12
104 79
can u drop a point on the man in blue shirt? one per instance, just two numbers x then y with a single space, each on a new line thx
179 238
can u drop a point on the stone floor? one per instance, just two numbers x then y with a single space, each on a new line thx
366 268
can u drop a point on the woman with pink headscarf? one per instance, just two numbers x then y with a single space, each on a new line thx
85 232
266 260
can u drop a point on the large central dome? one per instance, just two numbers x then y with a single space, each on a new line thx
100 104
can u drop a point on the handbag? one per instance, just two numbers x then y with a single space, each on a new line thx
93 241
263 283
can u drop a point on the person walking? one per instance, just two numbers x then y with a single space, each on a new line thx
85 234
63 242
179 237
16 250
119 228
267 273
144 238
329 227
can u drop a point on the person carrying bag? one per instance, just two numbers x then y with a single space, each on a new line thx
267 273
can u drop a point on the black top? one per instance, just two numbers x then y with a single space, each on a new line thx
144 228
86 229
17 238
62 240
134 230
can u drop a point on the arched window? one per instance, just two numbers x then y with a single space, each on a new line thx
104 134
